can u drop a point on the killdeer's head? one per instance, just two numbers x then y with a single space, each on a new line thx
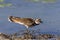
38 21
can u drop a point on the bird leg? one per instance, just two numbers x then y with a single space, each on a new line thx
27 31
26 26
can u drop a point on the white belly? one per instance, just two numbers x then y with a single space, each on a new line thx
23 24
20 23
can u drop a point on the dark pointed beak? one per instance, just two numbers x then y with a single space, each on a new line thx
41 21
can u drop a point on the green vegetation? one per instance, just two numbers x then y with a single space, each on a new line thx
4 4
1 0
42 0
49 0
9 4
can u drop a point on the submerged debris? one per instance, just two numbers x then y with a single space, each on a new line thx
4 37
25 35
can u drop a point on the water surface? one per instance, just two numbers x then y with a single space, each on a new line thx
48 12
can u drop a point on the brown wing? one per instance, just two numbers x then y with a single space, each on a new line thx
27 21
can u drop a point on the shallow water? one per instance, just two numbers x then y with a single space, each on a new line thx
48 12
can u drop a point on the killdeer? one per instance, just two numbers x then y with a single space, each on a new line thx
28 22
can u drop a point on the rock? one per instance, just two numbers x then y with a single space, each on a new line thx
4 37
46 36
